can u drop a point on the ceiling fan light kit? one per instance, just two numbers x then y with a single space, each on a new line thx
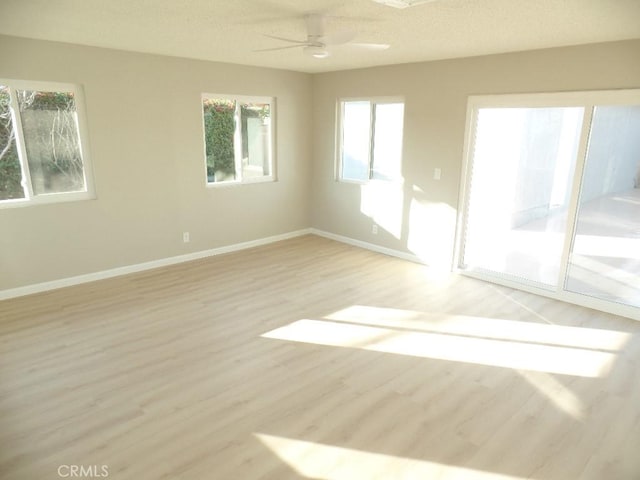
316 51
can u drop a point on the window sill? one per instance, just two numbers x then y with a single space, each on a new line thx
372 181
240 183
48 199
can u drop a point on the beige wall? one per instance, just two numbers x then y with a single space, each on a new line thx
146 146
419 218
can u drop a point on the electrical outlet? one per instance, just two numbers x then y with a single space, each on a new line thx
437 173
374 229
185 237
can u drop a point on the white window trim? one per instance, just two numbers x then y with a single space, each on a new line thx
587 99
339 140
237 140
46 198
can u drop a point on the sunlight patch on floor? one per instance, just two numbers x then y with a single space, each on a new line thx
558 394
483 327
481 351
320 461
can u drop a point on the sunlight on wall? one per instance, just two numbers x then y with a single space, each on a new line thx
451 347
431 231
319 461
431 226
383 203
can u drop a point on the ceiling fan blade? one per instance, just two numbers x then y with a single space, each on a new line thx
338 38
280 48
369 46
290 40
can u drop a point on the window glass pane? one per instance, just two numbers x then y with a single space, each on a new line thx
256 139
605 258
219 128
387 141
356 138
52 141
10 172
523 164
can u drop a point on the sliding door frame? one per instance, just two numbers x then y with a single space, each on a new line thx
585 99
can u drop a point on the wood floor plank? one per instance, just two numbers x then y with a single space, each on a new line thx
194 371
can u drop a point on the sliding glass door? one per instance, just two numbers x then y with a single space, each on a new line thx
523 167
552 195
605 258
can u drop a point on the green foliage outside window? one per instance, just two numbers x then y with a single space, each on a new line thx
219 130
219 126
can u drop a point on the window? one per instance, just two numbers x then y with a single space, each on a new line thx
370 140
551 196
238 138
43 155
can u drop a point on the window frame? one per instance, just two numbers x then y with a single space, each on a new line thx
31 199
374 101
587 99
237 139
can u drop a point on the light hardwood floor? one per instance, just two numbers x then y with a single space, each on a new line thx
312 359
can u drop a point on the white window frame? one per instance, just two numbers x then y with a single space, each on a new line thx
45 198
374 101
587 99
237 139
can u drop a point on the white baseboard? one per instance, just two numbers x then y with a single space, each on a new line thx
163 262
139 267
366 245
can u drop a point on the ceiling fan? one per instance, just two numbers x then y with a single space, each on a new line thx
318 43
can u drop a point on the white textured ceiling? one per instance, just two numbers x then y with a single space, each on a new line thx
230 30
